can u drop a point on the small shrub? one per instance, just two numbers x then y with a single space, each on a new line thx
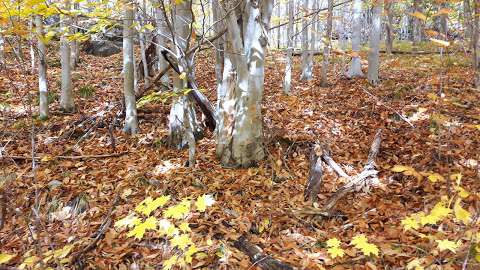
86 91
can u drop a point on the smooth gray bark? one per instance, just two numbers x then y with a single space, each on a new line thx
240 131
42 69
417 28
355 69
66 96
327 45
143 44
374 52
183 123
287 81
131 121
75 46
307 61
467 22
388 27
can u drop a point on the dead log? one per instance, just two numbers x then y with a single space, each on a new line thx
257 256
362 180
315 175
150 55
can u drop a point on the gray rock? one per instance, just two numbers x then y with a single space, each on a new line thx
103 48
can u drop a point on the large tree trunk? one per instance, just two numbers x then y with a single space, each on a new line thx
327 44
374 52
389 27
182 120
66 97
307 59
131 122
287 81
240 132
42 69
355 69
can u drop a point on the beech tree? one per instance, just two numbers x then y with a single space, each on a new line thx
240 127
42 69
287 81
131 122
355 69
374 52
327 44
66 97
307 58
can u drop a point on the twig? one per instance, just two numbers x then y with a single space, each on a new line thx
69 157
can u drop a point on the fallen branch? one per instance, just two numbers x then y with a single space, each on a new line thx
68 157
257 256
361 180
97 236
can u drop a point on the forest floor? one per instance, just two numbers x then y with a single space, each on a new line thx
440 133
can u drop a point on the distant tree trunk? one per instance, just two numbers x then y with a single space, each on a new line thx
42 69
279 15
388 27
32 50
161 43
2 51
417 30
183 123
219 26
467 23
287 81
143 44
240 131
444 21
307 61
476 43
341 29
327 44
75 54
66 97
131 122
374 55
355 69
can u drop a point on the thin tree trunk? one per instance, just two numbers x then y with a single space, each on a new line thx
467 22
476 47
327 44
355 69
131 122
42 69
161 43
444 21
2 51
307 63
388 27
287 81
144 45
417 34
66 97
183 123
32 50
374 52
75 53
219 50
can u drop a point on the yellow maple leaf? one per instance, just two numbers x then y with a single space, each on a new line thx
204 201
140 229
149 205
410 223
189 253
128 221
4 257
184 227
415 264
63 252
460 213
361 242
178 211
168 264
447 245
181 241
333 242
462 192
335 251
401 168
435 177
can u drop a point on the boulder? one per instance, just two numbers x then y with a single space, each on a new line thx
103 48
